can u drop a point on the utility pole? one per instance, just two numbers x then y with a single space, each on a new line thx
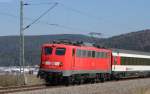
22 60
22 29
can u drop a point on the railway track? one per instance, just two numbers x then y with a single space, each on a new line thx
7 90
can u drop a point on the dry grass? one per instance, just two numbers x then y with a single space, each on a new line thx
10 80
33 80
15 80
147 91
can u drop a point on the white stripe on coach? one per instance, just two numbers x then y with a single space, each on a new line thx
130 68
131 55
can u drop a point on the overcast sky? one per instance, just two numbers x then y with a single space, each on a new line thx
109 17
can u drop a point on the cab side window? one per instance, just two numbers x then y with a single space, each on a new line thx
78 54
60 51
48 50
73 52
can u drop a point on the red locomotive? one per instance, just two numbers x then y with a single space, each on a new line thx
75 63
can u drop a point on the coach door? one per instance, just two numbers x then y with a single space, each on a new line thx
77 59
73 58
109 61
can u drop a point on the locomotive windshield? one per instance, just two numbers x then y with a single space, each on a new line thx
60 51
48 50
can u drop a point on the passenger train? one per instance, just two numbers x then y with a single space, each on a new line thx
78 63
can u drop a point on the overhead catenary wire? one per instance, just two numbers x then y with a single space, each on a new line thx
47 23
79 12
43 14
66 27
68 8
42 3
53 6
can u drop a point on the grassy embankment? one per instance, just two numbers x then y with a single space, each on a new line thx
15 80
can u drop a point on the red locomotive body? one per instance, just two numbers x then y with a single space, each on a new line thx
62 60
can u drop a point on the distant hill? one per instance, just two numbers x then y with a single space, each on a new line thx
139 40
9 45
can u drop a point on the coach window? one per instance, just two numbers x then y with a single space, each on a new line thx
83 53
48 50
86 53
105 55
102 54
78 53
138 60
93 53
123 60
148 61
89 53
143 61
127 60
131 60
60 51
99 54
96 54
135 61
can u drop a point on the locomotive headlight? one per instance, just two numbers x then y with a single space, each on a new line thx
53 63
57 63
48 63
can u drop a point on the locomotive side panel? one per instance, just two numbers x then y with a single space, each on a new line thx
94 60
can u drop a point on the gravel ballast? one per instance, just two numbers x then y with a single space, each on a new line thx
138 86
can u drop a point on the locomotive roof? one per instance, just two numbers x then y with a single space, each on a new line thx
82 46
130 51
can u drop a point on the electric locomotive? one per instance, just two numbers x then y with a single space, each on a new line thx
74 63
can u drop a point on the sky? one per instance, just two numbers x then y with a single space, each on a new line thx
108 17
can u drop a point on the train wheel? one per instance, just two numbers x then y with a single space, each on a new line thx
97 80
67 81
92 81
48 80
117 77
108 77
102 79
81 81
